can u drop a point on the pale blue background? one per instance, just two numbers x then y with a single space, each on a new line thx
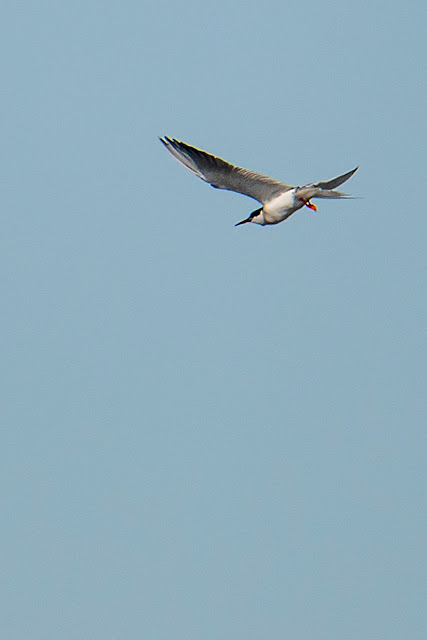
208 432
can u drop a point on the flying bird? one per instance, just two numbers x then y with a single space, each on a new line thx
279 200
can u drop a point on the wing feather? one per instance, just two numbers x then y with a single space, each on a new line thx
326 189
223 175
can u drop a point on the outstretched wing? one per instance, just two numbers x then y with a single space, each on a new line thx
223 175
325 189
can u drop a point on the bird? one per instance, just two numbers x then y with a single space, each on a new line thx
278 200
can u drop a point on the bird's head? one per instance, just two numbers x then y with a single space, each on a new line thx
256 216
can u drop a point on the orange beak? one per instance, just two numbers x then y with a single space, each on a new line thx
311 206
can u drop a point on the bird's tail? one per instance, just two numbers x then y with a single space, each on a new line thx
330 193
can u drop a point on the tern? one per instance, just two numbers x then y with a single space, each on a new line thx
279 200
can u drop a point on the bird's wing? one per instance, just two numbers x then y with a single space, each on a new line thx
223 175
325 189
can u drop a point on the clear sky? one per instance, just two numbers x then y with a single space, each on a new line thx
212 432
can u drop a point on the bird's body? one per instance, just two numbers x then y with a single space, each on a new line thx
281 207
279 200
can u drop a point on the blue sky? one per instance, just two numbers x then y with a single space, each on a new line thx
211 432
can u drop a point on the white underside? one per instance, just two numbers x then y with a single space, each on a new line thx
281 207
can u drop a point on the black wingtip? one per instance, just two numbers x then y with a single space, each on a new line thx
352 172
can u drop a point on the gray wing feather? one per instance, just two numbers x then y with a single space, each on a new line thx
223 175
326 189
